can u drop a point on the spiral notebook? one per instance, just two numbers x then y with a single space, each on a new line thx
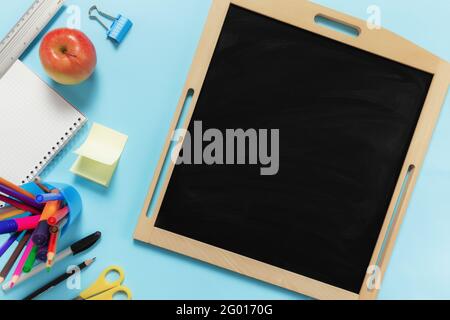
35 124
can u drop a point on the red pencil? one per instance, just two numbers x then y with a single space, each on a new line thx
19 205
55 232
52 243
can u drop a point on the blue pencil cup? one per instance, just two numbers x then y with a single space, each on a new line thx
71 197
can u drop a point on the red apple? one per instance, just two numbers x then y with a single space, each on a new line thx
68 56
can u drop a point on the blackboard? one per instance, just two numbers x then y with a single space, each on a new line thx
346 118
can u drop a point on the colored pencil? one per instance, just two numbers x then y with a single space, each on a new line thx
19 205
55 233
12 213
58 216
5 247
51 250
50 208
11 185
38 182
30 260
60 279
76 248
6 209
21 264
40 235
19 224
12 260
20 197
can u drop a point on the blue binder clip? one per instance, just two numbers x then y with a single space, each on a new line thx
119 28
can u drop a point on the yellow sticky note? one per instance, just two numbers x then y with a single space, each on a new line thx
100 154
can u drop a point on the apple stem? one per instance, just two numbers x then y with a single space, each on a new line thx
64 50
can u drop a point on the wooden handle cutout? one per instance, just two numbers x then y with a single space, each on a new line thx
337 25
395 215
175 142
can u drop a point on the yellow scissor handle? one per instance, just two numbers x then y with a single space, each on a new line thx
102 284
109 295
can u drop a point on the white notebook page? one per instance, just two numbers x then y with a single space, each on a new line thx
35 124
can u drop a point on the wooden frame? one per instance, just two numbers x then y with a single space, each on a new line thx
381 42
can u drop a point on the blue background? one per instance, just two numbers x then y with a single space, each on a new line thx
135 90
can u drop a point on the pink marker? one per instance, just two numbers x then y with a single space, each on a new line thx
20 224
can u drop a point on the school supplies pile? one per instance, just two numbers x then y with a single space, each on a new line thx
38 214
37 123
73 250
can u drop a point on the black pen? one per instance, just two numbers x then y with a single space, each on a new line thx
59 279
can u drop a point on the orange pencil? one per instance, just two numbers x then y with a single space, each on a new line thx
50 208
6 209
11 185
10 212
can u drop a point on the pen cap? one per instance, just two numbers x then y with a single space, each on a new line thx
85 243
42 254
71 197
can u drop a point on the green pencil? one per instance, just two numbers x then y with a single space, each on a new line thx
31 259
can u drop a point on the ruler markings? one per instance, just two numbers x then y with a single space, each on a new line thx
21 30
13 33
25 31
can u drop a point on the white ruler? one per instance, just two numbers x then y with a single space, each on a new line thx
25 31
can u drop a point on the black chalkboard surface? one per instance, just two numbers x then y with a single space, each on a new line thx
345 117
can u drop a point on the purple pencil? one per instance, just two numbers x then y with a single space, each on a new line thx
5 247
21 197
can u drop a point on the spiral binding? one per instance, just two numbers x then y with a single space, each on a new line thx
52 153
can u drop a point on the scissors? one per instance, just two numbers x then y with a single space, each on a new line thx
102 289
